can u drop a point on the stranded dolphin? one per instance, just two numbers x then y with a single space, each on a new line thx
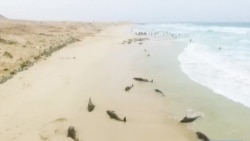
189 119
91 106
159 91
113 115
129 87
142 79
202 136
72 133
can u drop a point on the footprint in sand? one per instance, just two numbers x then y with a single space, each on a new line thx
19 134
55 130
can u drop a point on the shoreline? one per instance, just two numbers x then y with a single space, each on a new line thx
192 98
187 97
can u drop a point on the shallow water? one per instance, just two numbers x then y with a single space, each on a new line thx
224 106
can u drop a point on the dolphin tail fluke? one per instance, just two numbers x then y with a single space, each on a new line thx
125 120
152 81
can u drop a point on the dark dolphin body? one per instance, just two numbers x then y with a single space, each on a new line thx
159 91
187 119
113 115
72 133
129 87
91 106
142 79
202 136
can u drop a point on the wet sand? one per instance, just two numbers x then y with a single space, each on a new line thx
43 101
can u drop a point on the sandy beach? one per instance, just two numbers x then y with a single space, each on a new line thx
124 70
42 102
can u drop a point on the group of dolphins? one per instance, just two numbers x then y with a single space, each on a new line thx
143 80
110 113
113 115
91 107
186 119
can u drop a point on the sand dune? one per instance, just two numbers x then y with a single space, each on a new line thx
2 17
24 42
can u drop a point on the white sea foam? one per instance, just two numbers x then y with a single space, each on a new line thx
218 57
217 73
220 61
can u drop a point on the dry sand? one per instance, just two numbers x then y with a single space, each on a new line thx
24 42
39 104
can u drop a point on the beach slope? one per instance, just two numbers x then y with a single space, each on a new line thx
42 102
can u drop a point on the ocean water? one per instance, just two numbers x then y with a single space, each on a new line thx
217 55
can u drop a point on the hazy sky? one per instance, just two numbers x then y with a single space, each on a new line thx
128 10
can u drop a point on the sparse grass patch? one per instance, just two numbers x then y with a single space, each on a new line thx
25 65
7 54
13 72
7 41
